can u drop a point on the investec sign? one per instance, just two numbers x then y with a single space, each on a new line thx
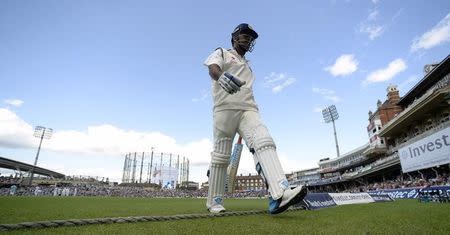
430 151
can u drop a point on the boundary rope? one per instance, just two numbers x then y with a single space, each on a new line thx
131 219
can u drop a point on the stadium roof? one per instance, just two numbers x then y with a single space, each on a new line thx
358 150
427 82
21 166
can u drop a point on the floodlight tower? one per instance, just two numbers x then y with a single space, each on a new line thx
330 114
42 133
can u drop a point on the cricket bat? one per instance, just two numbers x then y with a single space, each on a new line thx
233 166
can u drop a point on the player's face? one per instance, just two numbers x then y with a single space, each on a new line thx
245 42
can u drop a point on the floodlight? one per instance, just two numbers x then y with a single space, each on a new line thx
330 114
42 133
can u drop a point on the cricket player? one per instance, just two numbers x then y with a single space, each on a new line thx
12 190
235 111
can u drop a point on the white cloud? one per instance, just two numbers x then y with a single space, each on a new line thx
327 94
14 132
370 26
13 102
322 91
100 172
278 81
318 109
333 98
386 74
372 15
397 14
101 140
345 65
439 34
375 1
374 31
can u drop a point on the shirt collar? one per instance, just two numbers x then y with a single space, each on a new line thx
234 52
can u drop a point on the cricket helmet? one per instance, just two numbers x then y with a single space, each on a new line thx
245 44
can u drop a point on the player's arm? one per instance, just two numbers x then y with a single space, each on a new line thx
214 71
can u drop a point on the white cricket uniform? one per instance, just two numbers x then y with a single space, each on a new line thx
12 190
229 109
238 113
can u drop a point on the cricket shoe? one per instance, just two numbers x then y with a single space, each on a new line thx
290 197
217 207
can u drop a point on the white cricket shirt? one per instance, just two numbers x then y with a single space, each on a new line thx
237 66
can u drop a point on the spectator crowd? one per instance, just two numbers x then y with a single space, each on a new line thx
116 191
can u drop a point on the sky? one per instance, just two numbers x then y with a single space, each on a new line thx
112 77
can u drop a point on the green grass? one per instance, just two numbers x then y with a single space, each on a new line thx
400 217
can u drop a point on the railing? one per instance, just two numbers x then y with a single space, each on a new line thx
422 135
343 165
371 166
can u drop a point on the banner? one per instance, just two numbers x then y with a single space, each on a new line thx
397 193
165 176
318 200
408 193
440 189
351 198
430 151
315 201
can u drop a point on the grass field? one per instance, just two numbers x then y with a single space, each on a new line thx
399 217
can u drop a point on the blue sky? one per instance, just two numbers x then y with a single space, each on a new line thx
112 77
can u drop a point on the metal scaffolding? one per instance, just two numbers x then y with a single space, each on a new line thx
158 168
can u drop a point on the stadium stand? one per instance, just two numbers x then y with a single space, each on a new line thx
397 124
25 167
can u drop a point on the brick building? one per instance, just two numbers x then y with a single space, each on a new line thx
390 108
385 112
249 182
